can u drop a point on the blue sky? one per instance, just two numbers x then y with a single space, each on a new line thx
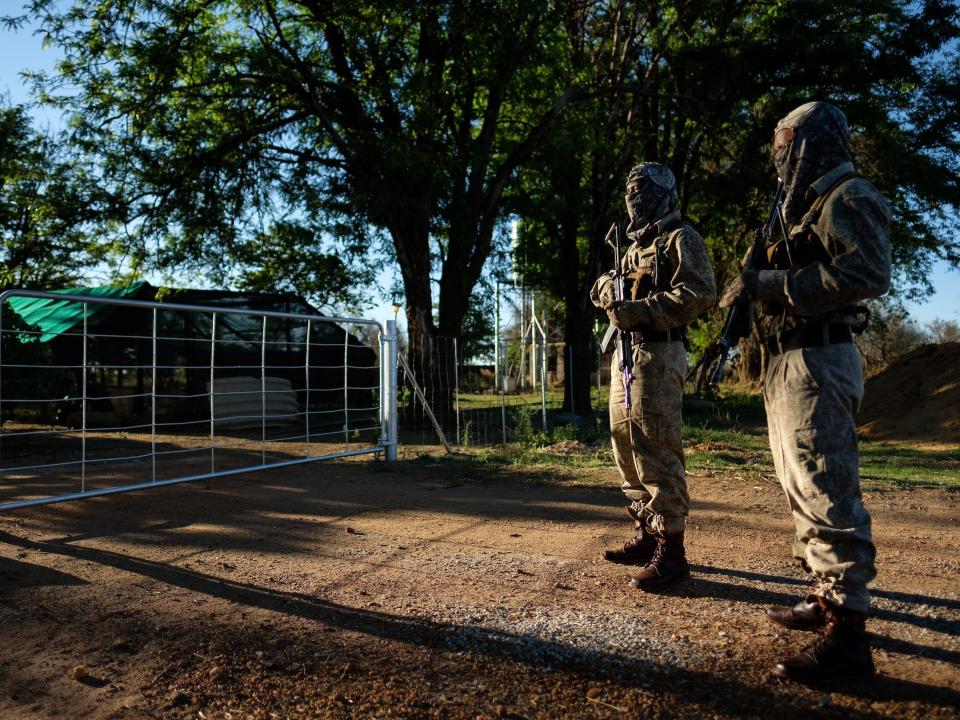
22 50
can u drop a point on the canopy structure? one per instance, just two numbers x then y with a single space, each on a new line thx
53 318
125 350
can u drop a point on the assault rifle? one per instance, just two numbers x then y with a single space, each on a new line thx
624 337
739 316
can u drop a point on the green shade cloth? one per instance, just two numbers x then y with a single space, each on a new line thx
54 317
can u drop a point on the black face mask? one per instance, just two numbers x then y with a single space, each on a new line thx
808 143
646 202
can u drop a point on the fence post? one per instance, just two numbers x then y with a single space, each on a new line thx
346 387
456 388
496 336
306 371
543 364
213 414
263 392
153 401
388 400
83 407
1 379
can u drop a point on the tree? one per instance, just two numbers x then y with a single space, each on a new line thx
570 192
668 102
890 334
944 331
391 119
400 126
47 205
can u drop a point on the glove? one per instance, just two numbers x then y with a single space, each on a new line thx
615 319
741 289
625 316
603 292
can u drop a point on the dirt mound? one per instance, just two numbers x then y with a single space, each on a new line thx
917 398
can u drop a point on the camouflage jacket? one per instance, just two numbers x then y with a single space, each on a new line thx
685 287
851 262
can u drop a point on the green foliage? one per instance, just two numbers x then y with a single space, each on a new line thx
476 332
248 134
48 203
660 97
281 145
521 425
290 257
466 435
890 333
526 429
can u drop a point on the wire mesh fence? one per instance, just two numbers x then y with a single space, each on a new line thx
104 395
485 403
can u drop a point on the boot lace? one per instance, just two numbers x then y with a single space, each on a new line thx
659 552
635 541
824 639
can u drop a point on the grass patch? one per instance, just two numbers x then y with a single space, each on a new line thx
904 466
727 435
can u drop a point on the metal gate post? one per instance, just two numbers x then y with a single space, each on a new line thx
456 389
83 406
153 401
1 379
213 415
306 371
346 387
388 398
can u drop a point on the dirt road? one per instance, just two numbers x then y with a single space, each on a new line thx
432 588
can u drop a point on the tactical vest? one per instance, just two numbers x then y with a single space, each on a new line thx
647 277
801 248
650 274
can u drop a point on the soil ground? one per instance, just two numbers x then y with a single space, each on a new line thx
439 588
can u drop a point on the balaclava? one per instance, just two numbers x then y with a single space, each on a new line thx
651 194
809 142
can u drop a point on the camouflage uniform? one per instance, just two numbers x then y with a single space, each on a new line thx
840 255
648 439
835 255
812 393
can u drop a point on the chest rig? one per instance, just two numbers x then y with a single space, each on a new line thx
643 268
646 271
801 247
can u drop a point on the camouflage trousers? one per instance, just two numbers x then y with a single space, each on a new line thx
648 439
811 396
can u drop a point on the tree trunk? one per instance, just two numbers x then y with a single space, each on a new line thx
577 279
580 363
430 361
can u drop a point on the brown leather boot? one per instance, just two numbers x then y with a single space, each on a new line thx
667 567
637 550
805 615
840 652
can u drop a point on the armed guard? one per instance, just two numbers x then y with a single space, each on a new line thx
668 281
833 252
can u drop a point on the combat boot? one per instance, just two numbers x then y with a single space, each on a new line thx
637 550
668 565
805 615
840 652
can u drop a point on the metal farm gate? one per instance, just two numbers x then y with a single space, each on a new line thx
120 395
